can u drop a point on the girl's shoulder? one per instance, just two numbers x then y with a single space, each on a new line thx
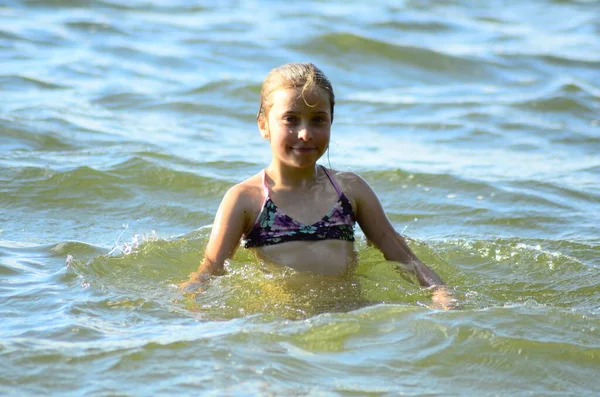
248 191
347 180
351 184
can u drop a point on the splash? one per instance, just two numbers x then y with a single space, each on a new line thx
133 246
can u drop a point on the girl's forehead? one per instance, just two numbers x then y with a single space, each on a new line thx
313 97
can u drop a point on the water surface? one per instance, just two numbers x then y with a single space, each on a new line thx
122 125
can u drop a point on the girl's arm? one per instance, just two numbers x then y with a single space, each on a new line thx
379 230
229 225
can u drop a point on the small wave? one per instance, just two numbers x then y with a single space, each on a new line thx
62 249
564 104
427 26
581 141
19 82
554 194
145 258
225 88
42 35
146 59
194 108
93 27
148 5
122 100
445 184
75 248
75 185
585 59
595 170
30 138
346 45
124 183
140 171
9 36
503 271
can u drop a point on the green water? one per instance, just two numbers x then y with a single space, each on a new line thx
123 124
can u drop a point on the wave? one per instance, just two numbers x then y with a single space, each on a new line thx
95 27
248 91
531 193
484 273
19 82
563 104
143 272
25 137
213 97
431 25
374 50
134 189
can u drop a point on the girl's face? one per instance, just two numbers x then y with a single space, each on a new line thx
298 126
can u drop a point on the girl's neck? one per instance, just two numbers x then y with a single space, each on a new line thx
292 177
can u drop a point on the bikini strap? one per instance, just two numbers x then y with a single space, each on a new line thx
333 182
265 185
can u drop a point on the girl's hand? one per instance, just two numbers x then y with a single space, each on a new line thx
194 285
442 298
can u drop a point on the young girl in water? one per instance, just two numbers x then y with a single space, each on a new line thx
297 213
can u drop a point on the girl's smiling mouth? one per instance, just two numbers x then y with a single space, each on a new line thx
303 149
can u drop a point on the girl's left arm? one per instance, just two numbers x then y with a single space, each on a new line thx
379 230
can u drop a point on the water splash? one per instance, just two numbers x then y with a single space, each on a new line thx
131 247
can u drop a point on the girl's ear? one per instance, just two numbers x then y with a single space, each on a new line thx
262 127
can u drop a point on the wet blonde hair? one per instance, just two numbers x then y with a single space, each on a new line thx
294 75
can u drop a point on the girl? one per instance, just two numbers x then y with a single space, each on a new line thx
295 212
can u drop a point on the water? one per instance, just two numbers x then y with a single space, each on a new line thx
122 125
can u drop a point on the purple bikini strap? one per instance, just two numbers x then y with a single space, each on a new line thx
333 182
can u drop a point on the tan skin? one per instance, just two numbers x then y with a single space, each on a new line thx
298 129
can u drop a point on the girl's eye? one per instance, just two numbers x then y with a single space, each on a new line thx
319 120
290 119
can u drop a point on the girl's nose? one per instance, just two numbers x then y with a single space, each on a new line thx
305 133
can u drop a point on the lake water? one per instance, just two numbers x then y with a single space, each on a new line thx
122 124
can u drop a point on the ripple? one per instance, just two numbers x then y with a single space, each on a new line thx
505 271
122 100
429 26
123 124
562 104
172 7
91 26
17 82
143 172
374 50
10 37
24 137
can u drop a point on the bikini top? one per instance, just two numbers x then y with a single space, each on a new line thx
273 226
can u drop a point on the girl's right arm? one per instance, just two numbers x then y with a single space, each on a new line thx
230 222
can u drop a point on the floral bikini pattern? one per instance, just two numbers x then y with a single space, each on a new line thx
273 226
